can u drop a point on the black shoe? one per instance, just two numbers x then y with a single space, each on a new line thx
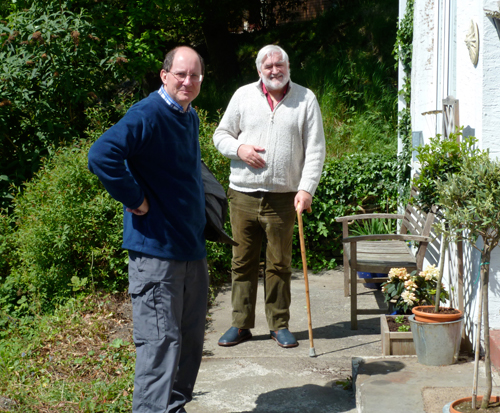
234 336
284 338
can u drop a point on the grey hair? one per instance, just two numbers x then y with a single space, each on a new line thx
267 51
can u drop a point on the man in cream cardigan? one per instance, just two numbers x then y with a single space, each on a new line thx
273 133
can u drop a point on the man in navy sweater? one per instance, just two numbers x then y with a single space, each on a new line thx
150 161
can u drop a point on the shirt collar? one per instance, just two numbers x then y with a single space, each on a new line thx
266 93
171 102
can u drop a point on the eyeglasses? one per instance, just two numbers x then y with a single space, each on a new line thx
181 77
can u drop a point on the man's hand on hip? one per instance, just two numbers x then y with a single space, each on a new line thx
249 155
305 199
142 210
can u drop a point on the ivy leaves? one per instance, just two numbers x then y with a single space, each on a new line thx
403 54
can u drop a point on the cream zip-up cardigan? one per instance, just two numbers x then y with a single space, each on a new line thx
292 136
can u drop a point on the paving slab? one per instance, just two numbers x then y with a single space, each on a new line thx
401 384
260 377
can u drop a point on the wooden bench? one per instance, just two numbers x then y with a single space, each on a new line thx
378 253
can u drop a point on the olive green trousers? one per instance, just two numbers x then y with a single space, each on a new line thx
255 217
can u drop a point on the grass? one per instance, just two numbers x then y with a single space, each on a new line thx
79 359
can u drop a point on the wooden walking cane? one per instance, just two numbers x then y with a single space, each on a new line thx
312 352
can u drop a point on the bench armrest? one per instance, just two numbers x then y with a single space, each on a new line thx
392 237
368 216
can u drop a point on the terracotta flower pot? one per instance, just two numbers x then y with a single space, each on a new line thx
493 399
426 317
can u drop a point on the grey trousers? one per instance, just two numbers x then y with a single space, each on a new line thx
169 303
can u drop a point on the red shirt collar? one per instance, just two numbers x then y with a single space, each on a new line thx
268 96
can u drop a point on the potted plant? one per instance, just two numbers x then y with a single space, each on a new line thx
437 330
396 336
403 291
440 158
470 201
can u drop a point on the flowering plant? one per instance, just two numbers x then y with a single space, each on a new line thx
406 291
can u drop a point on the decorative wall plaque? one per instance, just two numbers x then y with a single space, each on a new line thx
472 42
494 16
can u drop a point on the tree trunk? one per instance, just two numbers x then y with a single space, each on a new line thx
485 275
442 254
478 347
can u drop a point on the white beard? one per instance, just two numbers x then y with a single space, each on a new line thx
273 83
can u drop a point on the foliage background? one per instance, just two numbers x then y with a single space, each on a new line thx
52 66
69 73
59 58
69 69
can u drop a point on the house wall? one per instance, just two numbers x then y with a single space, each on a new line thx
490 137
441 66
491 83
424 71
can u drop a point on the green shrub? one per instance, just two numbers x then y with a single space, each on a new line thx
216 162
67 237
52 66
218 255
64 233
68 230
439 159
357 102
374 226
354 184
5 244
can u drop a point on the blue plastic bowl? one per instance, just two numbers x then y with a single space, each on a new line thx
374 286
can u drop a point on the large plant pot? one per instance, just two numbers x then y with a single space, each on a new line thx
395 343
436 344
423 316
493 399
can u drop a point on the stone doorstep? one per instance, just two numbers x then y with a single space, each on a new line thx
357 361
427 388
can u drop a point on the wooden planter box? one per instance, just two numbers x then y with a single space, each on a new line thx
395 343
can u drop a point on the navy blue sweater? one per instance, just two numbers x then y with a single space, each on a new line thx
154 151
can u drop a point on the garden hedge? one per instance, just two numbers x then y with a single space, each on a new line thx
64 234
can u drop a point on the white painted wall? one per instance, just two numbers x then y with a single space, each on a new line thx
491 84
424 71
490 136
440 67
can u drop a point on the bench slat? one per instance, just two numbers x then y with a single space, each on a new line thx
381 247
